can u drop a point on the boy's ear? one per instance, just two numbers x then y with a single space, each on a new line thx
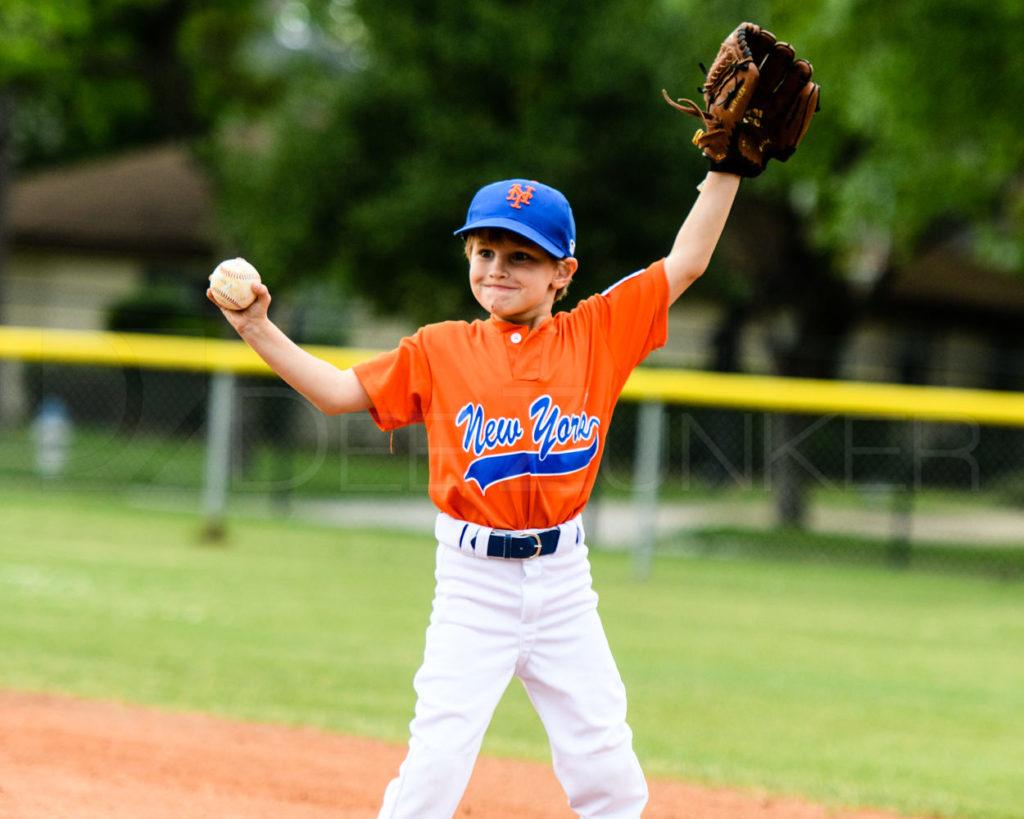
566 268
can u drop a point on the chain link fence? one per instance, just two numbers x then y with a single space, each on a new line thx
727 482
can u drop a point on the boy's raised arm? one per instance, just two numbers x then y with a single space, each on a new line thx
697 238
753 73
329 389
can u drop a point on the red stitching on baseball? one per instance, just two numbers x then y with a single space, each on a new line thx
226 297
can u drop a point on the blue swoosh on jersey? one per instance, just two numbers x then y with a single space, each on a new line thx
492 469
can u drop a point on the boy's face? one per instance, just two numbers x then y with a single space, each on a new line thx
514 279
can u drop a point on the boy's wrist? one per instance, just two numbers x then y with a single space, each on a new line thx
254 329
719 176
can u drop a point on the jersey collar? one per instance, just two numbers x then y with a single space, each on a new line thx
506 327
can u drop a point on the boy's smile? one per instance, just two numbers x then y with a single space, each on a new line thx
515 280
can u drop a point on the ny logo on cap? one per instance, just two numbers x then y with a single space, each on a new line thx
519 196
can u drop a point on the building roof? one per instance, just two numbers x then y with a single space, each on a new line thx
155 200
947 281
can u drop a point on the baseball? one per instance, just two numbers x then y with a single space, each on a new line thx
231 284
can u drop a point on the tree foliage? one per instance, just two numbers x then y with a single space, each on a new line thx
89 77
924 109
352 133
369 171
373 154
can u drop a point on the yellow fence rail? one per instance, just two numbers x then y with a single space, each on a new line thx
671 386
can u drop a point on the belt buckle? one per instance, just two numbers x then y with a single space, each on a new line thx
532 534
540 545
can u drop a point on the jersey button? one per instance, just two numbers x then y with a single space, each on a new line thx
515 338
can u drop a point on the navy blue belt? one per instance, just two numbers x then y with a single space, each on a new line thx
522 545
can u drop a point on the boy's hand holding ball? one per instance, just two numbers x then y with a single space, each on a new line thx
231 284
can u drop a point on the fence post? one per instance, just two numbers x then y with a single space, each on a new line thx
219 415
646 477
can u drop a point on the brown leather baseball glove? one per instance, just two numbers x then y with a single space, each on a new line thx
759 100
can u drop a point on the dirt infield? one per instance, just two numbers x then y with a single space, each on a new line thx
65 758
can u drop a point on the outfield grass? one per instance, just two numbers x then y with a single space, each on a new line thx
855 686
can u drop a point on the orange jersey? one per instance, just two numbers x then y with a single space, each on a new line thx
516 419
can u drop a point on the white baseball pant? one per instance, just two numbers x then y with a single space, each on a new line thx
493 619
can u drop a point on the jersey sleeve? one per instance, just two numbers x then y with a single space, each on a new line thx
632 316
398 383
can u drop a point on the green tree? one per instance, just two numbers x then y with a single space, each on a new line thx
396 113
87 78
909 149
370 161
915 139
82 78
28 31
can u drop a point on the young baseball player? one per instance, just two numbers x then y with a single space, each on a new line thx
516 408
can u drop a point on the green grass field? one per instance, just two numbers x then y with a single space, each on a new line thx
847 685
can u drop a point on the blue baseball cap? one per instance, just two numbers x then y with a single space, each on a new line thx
529 208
